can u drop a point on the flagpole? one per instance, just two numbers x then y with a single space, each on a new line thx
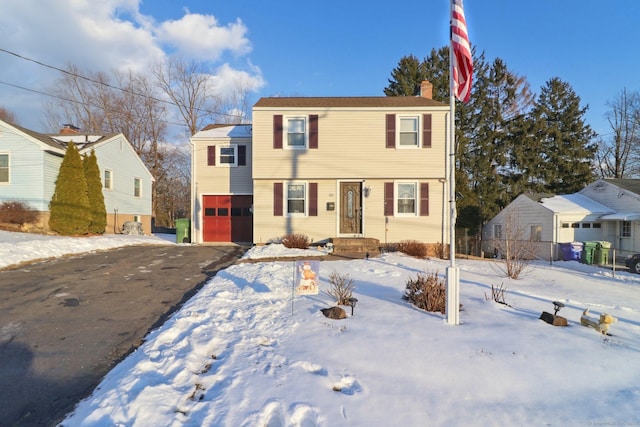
453 272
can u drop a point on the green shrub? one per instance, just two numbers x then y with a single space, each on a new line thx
297 241
97 210
427 292
17 212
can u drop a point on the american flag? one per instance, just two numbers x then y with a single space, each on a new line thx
462 66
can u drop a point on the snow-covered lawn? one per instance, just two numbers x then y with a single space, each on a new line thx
243 352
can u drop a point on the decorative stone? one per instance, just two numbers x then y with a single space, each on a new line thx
336 313
132 228
560 321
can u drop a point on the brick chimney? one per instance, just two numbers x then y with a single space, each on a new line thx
69 129
426 89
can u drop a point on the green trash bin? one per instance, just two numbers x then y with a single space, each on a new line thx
588 250
601 254
183 230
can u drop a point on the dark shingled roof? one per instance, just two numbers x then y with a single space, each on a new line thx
632 185
357 102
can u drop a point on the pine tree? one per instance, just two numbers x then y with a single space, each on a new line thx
69 206
97 210
406 78
567 142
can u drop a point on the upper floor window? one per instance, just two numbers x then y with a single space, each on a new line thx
408 132
108 179
137 187
228 155
296 132
4 168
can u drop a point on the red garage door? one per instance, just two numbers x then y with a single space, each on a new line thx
227 219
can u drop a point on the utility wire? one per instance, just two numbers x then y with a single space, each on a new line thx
17 55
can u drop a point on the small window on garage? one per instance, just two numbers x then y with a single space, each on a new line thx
223 211
209 211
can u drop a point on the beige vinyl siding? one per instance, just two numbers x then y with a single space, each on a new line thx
221 179
268 227
351 146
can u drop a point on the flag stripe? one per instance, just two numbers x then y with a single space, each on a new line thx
462 66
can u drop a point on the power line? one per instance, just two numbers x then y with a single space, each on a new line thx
130 92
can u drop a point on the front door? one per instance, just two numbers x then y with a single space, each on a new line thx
350 208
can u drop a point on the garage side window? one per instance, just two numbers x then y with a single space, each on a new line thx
4 168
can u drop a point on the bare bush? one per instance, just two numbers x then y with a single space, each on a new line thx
341 288
515 247
442 250
427 291
17 212
413 248
297 241
497 294
389 247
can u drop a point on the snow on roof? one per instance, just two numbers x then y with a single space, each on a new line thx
230 131
574 203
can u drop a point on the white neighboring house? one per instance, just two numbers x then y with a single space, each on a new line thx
30 161
622 227
549 220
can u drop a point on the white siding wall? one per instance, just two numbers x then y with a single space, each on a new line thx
118 156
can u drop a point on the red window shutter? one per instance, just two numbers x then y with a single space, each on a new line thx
277 131
242 155
277 199
313 199
391 130
388 199
313 131
424 199
426 131
211 155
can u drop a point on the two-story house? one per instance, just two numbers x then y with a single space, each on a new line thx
333 167
30 161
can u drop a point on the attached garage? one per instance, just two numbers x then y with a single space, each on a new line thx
227 218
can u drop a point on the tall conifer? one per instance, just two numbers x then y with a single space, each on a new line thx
69 206
97 209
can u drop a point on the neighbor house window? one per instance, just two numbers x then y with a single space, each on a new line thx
296 199
406 201
625 229
108 179
408 131
4 168
536 233
497 231
296 128
137 187
136 218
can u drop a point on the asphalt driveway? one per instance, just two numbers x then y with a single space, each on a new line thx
65 323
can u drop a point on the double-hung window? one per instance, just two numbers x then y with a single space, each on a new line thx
497 231
536 233
625 229
228 155
408 131
407 198
296 199
137 187
4 168
108 179
296 132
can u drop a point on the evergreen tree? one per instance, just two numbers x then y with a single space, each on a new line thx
69 206
97 209
407 77
567 142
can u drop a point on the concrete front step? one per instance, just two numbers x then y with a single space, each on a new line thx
354 245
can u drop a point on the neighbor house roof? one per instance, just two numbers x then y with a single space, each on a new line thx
348 102
224 131
632 185
575 203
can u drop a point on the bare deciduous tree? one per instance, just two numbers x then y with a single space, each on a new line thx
618 154
7 115
515 247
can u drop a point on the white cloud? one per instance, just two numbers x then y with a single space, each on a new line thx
202 37
102 36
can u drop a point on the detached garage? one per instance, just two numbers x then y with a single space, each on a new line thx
222 186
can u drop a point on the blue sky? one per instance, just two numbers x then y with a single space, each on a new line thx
330 48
